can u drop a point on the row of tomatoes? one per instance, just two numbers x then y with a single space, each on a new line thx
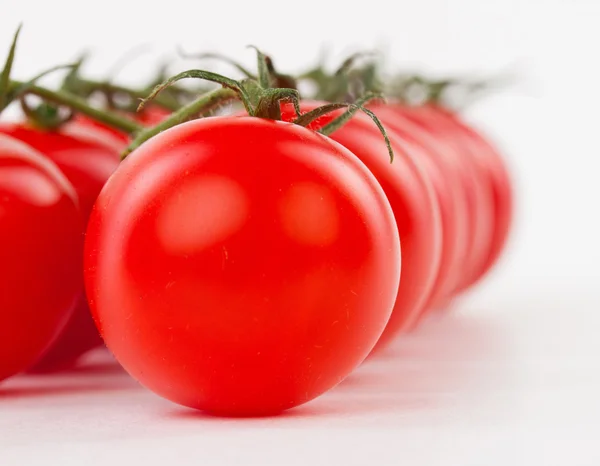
235 264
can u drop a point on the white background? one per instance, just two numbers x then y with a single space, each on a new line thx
512 377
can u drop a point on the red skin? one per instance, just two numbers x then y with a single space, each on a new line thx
492 164
87 166
477 185
80 125
412 196
41 238
446 172
241 266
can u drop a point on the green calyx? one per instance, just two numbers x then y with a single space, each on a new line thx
348 82
260 97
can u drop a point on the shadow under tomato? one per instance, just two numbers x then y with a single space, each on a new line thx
196 415
12 392
443 359
97 362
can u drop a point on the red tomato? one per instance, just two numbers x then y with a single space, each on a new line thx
447 172
84 128
477 185
41 239
87 166
241 266
408 187
81 124
494 167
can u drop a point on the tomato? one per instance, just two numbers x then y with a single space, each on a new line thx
81 125
408 187
41 242
446 171
87 166
493 165
87 129
474 179
241 266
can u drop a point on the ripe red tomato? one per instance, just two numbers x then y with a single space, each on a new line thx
447 172
474 179
81 125
41 243
87 166
241 266
496 171
409 189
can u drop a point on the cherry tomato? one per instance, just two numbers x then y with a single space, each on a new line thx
80 127
477 185
408 187
241 266
446 172
41 242
87 166
495 169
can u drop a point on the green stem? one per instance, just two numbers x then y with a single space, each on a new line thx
352 109
264 78
5 76
203 105
110 88
81 106
269 105
208 76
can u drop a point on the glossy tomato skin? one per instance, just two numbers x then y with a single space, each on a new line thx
476 183
41 243
446 172
87 166
407 185
241 266
495 168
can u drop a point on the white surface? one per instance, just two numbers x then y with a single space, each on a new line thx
511 379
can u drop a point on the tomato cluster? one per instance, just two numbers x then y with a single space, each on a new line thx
245 263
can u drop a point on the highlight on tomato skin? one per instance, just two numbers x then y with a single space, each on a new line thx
87 166
241 266
41 243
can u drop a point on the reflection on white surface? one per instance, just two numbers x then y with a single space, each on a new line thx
488 385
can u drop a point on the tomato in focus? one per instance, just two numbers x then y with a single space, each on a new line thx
241 266
41 243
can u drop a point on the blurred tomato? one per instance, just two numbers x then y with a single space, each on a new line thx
475 181
41 241
87 165
492 164
446 172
